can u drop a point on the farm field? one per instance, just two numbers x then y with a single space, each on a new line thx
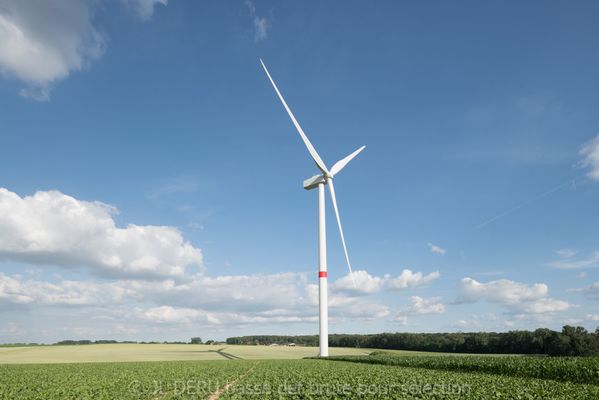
158 352
381 375
325 379
566 369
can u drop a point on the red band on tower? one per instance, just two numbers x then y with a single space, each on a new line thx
322 274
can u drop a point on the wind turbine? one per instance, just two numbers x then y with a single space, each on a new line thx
319 181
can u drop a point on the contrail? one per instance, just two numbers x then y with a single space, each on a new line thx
525 203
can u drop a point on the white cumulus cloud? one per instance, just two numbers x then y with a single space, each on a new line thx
420 306
408 278
196 301
43 42
516 296
501 291
368 284
220 300
53 228
365 283
542 306
168 314
179 315
75 293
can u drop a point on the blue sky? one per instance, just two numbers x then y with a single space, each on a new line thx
153 181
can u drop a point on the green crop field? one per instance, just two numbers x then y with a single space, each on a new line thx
259 372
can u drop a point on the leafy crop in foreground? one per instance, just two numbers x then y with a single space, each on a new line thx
273 379
318 379
123 381
565 369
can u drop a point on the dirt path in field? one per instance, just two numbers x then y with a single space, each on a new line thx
216 395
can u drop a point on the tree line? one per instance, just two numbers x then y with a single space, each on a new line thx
570 341
86 341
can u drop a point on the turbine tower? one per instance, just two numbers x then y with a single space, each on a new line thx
319 181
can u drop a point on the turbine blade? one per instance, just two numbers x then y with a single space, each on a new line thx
334 200
311 148
339 165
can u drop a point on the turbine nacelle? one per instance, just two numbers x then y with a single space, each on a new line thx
313 182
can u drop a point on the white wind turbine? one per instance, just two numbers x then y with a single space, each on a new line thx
318 181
